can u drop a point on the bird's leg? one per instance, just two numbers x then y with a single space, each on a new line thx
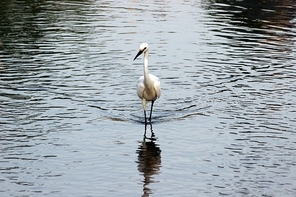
152 102
145 130
144 108
152 133
145 117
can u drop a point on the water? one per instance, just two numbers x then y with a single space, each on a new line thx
72 125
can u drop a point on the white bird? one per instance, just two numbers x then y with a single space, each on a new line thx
148 86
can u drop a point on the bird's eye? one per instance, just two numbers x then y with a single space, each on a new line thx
144 49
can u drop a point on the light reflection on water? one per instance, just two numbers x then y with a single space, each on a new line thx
71 122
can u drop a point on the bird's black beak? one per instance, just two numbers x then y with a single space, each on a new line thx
139 53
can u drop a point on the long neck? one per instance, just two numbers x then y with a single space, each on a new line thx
146 74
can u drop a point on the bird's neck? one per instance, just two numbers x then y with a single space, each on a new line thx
146 73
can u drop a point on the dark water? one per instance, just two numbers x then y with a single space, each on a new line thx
72 125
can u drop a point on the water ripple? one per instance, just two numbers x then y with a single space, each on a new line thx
68 103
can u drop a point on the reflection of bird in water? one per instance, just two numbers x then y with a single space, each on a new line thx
148 87
151 130
149 161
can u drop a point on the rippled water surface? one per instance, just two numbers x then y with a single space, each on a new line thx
71 122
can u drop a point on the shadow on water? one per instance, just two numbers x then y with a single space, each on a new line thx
149 159
254 13
262 22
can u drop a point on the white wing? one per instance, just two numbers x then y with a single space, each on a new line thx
156 84
140 87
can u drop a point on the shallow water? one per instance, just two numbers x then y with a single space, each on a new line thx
72 125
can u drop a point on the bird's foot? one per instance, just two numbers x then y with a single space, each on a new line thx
147 121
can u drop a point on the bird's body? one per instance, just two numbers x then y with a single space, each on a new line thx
148 86
148 89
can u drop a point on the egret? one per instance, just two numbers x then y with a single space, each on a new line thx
148 86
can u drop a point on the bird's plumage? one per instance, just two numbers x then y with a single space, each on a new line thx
149 91
148 86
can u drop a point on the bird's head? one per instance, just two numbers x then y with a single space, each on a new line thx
143 48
